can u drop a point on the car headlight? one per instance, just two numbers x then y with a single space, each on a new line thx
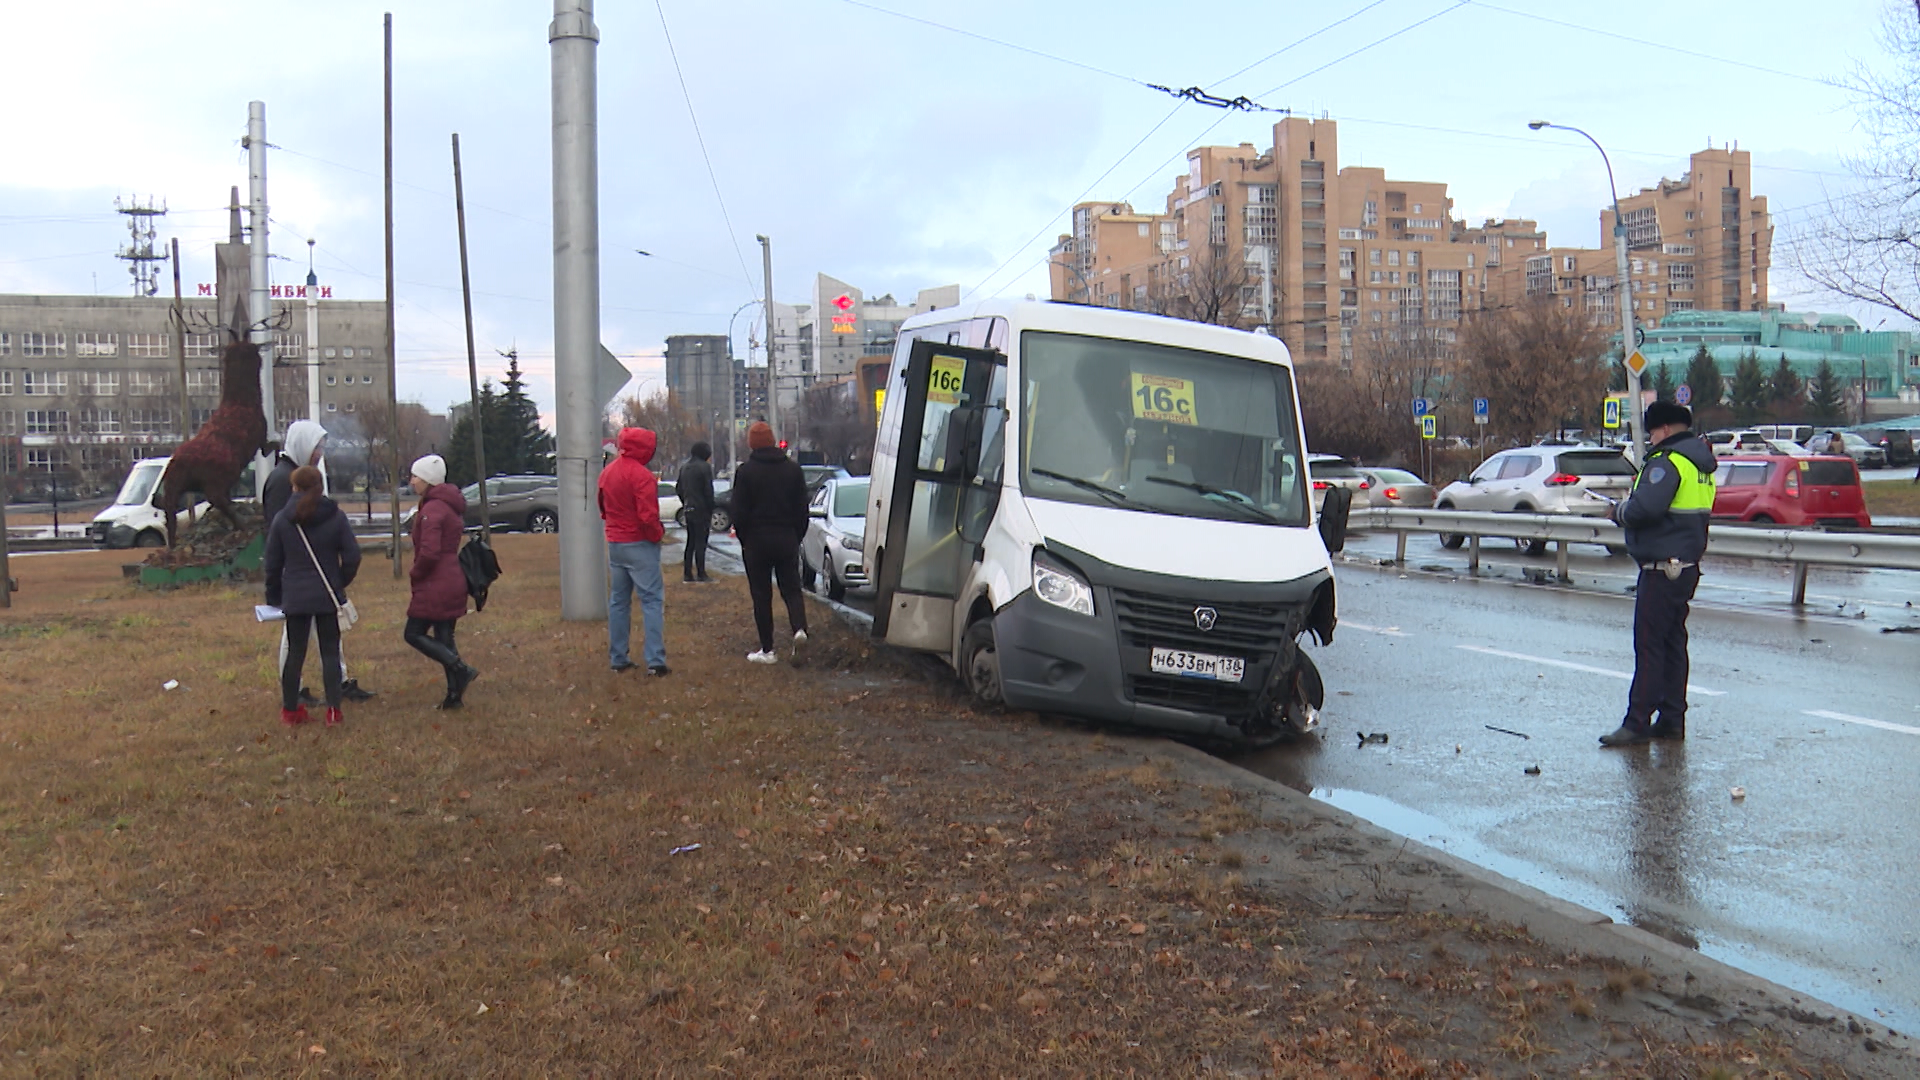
1059 586
855 544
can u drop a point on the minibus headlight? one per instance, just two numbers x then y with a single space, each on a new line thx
1060 586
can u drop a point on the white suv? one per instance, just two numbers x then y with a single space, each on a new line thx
1541 480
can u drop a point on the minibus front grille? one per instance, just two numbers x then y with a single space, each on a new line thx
1252 631
1231 700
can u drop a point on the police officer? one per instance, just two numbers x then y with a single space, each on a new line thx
1666 523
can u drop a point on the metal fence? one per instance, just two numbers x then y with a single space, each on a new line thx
1799 548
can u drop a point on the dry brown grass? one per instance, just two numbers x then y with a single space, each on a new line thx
887 884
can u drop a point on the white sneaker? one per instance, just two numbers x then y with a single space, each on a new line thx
799 637
764 656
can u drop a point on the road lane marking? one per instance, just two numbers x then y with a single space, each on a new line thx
1390 631
1571 666
1864 721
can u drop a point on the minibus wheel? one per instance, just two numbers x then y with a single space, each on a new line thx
980 663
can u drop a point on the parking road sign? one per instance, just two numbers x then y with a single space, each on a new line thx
1479 406
1421 406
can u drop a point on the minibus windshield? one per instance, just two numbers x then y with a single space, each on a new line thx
139 485
1160 429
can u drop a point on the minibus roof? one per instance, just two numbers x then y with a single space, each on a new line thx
1112 323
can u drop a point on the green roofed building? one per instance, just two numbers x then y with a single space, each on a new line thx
1887 359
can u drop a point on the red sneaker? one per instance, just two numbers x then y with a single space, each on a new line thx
334 718
294 717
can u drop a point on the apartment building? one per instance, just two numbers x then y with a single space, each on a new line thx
89 384
1335 258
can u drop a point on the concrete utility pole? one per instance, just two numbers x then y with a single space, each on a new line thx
1266 287
773 363
180 345
313 339
393 388
473 364
580 417
259 302
1637 413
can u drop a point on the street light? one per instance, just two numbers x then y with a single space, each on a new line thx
1625 290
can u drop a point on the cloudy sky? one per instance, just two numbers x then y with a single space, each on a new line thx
868 143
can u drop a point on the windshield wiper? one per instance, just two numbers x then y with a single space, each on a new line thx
1232 498
1113 495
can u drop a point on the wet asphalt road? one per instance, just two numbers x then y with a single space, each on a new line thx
1809 880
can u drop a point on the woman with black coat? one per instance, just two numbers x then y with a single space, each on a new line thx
769 501
311 559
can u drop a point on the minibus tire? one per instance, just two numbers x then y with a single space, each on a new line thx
150 538
980 664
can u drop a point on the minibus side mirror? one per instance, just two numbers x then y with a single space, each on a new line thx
1333 518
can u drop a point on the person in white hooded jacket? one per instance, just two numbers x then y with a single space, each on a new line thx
305 444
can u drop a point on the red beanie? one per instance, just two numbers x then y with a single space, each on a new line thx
759 436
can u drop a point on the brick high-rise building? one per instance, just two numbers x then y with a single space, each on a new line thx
1357 256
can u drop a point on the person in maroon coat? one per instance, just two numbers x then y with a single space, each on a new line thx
439 583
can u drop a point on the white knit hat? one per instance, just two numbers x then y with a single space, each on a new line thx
432 469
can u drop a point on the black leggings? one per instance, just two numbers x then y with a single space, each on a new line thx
694 562
434 639
298 629
770 554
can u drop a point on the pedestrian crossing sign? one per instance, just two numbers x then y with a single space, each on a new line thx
1429 429
1610 412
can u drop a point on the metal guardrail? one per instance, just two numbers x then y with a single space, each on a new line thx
1799 548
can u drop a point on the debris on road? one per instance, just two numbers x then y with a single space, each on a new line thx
1504 731
1376 737
170 684
1738 793
1533 770
684 850
1900 629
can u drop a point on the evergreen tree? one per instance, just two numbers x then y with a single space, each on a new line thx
1749 389
459 452
1786 391
529 450
1663 384
1825 396
1705 384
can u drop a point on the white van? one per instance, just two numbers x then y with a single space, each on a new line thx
134 519
1103 514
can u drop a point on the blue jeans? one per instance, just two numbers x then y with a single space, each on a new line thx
635 568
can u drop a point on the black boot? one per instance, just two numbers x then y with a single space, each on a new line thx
352 691
459 677
307 699
1624 736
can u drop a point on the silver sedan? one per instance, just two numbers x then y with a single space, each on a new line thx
836 530
1397 489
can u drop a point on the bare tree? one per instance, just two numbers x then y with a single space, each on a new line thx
675 427
1363 410
830 422
1213 287
1866 247
1541 365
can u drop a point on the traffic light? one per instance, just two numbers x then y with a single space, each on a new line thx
783 444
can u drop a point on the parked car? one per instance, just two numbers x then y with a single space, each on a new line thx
820 474
531 503
669 501
1332 470
1794 433
832 552
1793 491
722 515
1397 488
1541 480
1896 443
1864 454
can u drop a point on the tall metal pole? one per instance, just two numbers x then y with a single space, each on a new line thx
313 339
259 302
773 353
6 575
473 365
393 392
1625 293
1266 285
581 415
180 345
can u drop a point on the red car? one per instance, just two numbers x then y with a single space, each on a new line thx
1774 489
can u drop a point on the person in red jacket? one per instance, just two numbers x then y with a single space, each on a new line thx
439 584
630 506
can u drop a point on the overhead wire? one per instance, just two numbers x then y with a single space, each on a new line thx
1051 222
713 176
1617 36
